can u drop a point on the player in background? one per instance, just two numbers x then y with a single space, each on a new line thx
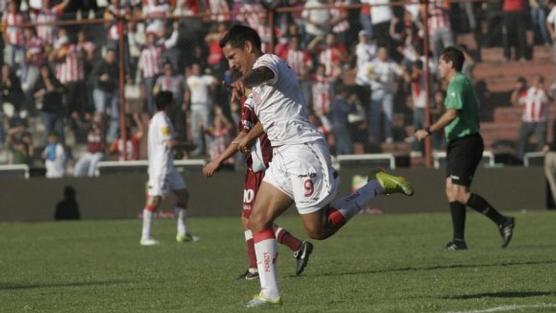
163 176
301 169
257 161
465 148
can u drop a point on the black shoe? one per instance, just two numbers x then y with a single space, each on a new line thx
507 231
248 276
456 245
302 256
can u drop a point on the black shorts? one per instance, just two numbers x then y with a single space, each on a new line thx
462 158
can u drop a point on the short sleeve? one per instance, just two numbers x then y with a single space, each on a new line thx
551 16
454 96
272 63
164 131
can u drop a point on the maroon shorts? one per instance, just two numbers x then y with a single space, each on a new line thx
250 187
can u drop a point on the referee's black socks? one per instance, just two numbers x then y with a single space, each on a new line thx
480 205
458 220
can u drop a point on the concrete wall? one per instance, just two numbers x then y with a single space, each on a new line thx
122 196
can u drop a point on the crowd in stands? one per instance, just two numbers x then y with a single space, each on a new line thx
362 71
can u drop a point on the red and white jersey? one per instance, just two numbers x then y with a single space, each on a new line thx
71 68
299 60
161 161
331 57
111 13
47 32
321 94
247 121
14 32
36 55
536 105
150 61
279 105
438 16
131 148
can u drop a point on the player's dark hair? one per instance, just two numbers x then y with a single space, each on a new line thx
163 99
454 55
238 35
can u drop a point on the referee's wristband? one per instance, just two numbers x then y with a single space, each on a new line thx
428 130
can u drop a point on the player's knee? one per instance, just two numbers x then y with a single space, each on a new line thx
258 222
315 232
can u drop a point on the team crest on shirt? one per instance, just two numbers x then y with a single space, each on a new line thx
165 131
453 94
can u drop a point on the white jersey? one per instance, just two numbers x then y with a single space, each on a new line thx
160 156
279 104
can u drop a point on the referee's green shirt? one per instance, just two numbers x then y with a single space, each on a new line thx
461 96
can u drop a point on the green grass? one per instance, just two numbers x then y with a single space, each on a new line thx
388 263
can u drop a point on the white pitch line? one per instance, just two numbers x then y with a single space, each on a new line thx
512 307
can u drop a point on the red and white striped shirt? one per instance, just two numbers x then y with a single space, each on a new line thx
438 16
331 57
112 12
299 60
36 55
255 15
71 68
321 95
536 105
47 32
150 61
14 32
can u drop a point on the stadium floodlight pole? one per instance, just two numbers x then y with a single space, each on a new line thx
428 146
121 84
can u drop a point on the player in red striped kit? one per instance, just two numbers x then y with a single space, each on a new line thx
257 161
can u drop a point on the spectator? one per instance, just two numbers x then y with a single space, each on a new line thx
436 110
255 15
49 14
36 56
49 95
405 35
301 62
221 136
215 57
535 114
332 56
112 14
13 35
441 35
10 89
416 79
338 116
519 93
70 71
105 94
132 142
365 50
514 29
219 10
156 10
54 156
381 14
316 21
322 95
339 22
381 74
149 62
198 101
87 164
22 149
538 17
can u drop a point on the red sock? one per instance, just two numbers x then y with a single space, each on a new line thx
251 256
150 208
336 217
285 238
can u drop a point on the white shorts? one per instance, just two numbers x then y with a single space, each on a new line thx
162 185
304 172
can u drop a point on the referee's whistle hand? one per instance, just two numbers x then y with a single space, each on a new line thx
421 134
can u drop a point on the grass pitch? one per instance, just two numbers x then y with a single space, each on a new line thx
383 264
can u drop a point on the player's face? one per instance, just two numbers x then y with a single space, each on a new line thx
443 67
239 59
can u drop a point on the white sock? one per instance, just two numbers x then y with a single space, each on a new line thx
147 222
181 215
352 204
248 234
265 249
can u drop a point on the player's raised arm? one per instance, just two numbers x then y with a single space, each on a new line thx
245 143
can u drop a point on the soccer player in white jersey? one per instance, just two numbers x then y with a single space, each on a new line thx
163 176
301 170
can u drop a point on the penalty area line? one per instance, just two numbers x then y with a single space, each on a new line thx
507 308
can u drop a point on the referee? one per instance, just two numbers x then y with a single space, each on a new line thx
465 150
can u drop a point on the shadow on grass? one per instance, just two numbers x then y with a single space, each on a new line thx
503 294
434 268
19 286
